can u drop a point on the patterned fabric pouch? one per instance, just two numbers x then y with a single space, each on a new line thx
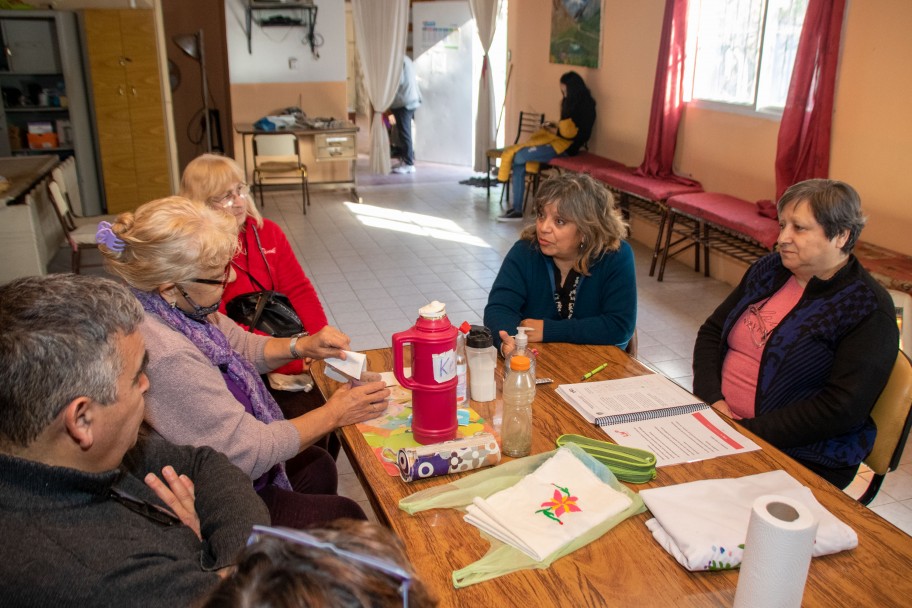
503 558
632 465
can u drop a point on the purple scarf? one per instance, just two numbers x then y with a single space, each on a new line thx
213 343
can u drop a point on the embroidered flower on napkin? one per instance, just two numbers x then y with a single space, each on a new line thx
558 502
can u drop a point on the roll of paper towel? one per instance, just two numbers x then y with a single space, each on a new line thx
777 554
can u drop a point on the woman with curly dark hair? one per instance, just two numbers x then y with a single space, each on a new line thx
570 277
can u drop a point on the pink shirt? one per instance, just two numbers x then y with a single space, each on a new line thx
746 342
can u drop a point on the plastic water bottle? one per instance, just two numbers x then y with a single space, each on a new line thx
518 395
461 367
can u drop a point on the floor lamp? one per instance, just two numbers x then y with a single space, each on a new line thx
192 46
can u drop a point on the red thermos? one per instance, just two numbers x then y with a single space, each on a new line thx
433 379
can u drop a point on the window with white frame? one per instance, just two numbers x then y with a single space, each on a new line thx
741 52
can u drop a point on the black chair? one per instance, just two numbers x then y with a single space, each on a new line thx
529 123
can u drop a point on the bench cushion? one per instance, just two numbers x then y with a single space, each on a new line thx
584 162
735 214
892 269
649 188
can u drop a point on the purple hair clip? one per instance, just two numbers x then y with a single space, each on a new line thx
105 236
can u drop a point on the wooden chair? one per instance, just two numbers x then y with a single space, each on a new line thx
79 236
277 156
632 345
892 416
67 196
529 123
903 304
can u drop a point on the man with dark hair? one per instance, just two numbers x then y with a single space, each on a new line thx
86 518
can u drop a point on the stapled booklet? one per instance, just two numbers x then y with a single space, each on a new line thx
653 413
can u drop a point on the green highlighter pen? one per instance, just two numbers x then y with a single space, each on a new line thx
588 375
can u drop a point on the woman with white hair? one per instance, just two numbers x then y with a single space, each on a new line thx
205 370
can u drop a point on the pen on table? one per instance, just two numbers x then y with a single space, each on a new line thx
588 375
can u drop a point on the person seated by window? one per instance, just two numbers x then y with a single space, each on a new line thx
570 277
264 259
566 138
802 348
205 370
95 514
344 563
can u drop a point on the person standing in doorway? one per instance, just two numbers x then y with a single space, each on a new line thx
406 101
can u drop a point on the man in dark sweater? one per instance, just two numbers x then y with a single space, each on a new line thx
91 514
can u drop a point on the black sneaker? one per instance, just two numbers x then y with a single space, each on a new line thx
511 215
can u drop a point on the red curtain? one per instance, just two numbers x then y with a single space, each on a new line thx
667 96
803 150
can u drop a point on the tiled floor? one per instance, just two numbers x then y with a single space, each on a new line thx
420 237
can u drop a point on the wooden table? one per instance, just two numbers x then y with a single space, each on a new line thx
626 566
329 145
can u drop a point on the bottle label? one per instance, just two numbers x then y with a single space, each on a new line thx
444 366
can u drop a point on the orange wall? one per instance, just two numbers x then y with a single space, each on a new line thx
872 127
319 99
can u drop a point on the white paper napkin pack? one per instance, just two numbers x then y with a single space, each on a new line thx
548 508
703 524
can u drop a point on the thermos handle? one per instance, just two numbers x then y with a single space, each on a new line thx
399 340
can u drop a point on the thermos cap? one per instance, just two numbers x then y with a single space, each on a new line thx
479 337
434 310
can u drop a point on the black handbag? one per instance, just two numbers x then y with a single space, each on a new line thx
267 310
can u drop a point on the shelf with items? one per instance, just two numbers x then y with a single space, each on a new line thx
27 91
295 13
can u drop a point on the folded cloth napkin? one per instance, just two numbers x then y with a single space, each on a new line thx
703 524
558 502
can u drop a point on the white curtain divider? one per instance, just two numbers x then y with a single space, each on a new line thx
381 27
485 13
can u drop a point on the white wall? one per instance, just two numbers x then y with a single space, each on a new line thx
274 47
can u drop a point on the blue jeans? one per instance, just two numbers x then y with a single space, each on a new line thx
541 154
404 118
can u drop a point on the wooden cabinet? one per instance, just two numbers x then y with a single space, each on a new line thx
42 80
336 146
129 113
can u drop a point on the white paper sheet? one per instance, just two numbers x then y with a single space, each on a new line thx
683 438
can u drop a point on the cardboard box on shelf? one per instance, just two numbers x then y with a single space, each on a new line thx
39 128
41 141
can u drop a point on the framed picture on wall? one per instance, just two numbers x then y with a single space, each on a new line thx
576 32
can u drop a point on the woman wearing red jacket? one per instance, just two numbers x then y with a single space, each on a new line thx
264 255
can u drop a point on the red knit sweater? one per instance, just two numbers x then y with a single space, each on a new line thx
286 272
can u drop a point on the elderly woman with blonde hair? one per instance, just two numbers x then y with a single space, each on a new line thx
264 259
205 370
570 277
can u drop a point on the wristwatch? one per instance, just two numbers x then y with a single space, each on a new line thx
293 343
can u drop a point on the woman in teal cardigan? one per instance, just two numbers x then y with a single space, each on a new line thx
571 276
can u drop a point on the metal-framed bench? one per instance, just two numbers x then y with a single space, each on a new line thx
719 222
637 194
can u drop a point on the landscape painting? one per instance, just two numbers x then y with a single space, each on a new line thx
576 32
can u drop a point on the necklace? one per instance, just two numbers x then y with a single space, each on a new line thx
756 326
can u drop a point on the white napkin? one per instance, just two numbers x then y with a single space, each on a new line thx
703 524
547 509
343 370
